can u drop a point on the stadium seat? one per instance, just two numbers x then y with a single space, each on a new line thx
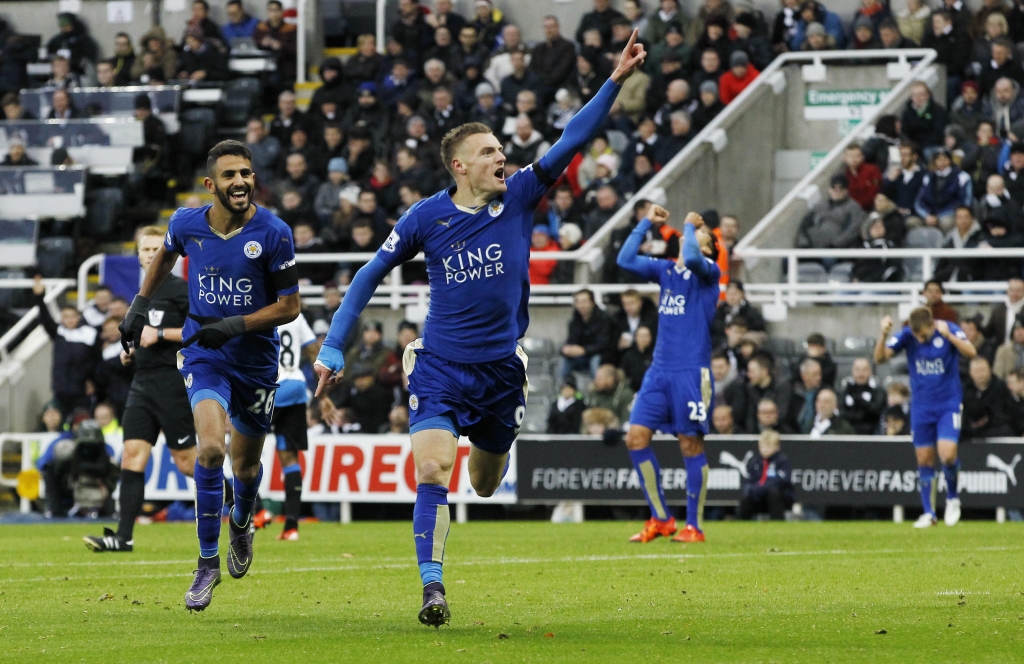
104 212
780 346
812 273
9 297
241 100
617 141
54 255
198 128
840 273
855 347
535 347
542 385
889 380
923 237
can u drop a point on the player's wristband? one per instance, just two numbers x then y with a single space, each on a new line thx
160 334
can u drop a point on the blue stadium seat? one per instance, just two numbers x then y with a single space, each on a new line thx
104 212
54 256
241 100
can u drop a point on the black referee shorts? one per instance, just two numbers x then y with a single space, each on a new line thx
290 427
158 402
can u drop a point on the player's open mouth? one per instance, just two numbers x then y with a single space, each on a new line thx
500 173
239 195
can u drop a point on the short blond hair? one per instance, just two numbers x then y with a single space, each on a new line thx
151 230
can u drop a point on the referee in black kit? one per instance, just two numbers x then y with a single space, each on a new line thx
157 400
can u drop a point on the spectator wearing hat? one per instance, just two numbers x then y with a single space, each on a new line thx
923 119
818 39
486 110
566 414
741 74
489 23
768 486
570 238
709 107
830 33
756 46
552 60
73 42
863 36
833 223
328 196
944 188
874 11
540 241
279 37
16 155
368 111
970 108
1001 65
200 61
333 83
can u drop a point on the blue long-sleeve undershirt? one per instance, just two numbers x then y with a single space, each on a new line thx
693 257
580 129
356 297
628 258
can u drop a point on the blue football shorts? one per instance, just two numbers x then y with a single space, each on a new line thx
485 402
928 426
676 401
248 398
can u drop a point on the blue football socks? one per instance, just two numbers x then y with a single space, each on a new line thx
209 501
245 498
430 522
649 473
926 474
952 475
696 489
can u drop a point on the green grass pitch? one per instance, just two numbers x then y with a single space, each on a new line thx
527 591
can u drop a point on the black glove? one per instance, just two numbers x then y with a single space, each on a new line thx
217 333
131 327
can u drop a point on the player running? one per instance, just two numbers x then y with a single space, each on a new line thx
933 350
243 283
677 392
290 419
467 375
157 400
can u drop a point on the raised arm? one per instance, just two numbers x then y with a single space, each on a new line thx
581 128
958 339
330 363
693 257
882 352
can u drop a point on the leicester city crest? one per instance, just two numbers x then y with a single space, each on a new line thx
253 249
495 207
414 402
188 381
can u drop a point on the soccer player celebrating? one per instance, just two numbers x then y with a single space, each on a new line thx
677 391
157 400
242 284
290 419
933 350
467 374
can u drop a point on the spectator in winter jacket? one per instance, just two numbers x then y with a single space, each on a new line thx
923 119
973 330
817 349
755 45
74 353
610 390
812 11
708 108
541 241
863 399
487 110
890 36
762 385
589 337
903 182
1001 65
1010 356
865 179
1006 106
562 209
1015 384
552 60
767 418
73 42
863 35
1001 231
730 390
986 409
768 486
895 222
266 151
873 270
279 37
734 305
827 420
741 74
489 24
566 414
527 145
636 311
965 234
637 358
943 189
970 108
807 388
953 45
833 223
915 20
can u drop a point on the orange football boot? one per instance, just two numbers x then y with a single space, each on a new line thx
290 535
654 529
262 518
689 534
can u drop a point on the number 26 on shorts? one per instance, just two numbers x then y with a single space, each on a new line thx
264 402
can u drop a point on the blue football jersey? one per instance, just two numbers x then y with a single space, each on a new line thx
686 309
478 264
934 368
231 275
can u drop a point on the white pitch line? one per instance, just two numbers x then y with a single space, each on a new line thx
473 562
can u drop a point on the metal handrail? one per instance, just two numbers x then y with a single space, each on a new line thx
54 289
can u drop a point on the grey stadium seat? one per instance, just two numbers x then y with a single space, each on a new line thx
840 273
812 273
855 347
923 237
535 347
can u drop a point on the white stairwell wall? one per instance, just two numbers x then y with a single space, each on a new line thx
25 382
